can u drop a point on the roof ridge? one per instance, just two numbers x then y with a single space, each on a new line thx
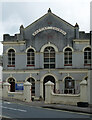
36 20
62 20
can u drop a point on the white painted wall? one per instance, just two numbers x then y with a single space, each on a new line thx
24 96
70 99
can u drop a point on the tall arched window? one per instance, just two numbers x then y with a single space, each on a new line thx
30 57
32 81
11 57
68 57
87 56
69 86
49 57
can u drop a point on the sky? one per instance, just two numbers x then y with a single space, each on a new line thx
15 13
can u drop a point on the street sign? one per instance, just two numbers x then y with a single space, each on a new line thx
19 86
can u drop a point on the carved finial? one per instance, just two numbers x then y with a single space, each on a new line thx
68 45
10 75
49 10
21 26
68 74
49 43
76 25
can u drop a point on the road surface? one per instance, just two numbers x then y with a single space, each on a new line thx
14 110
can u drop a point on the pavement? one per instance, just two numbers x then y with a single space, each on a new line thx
53 106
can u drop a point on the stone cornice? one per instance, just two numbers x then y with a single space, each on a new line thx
81 41
37 71
13 42
73 71
20 71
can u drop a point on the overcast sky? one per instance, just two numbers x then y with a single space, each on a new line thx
13 14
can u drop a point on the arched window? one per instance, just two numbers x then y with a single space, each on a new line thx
87 56
69 86
68 57
12 86
30 57
49 57
32 81
11 57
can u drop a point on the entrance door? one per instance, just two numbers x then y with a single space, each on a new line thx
46 79
12 82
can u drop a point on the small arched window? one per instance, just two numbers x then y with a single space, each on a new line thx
87 56
11 57
69 86
49 57
68 57
30 57
32 81
12 84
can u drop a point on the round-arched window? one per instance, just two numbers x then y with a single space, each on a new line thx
30 57
68 56
11 57
69 85
49 57
87 56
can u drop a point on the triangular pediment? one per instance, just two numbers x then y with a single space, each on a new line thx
48 17
49 20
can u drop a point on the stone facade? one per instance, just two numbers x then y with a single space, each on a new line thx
52 32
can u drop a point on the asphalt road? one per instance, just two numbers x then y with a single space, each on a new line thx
14 110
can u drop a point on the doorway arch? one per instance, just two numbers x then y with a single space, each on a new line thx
46 79
12 86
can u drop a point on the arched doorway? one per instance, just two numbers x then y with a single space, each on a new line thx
12 82
32 81
46 79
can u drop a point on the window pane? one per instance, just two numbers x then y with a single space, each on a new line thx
66 62
52 65
46 65
46 54
52 54
52 59
46 60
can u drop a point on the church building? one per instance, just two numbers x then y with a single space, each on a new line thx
49 49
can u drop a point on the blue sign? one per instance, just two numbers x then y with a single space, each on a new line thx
19 86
